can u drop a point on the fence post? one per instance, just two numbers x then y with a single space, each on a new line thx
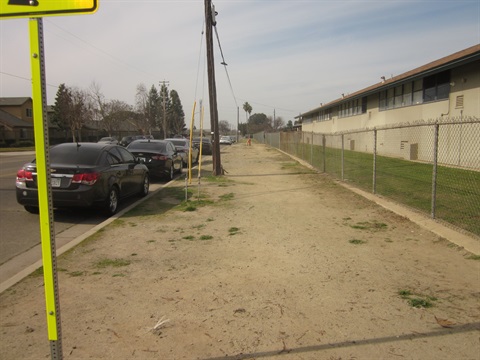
311 150
374 160
324 141
434 170
343 158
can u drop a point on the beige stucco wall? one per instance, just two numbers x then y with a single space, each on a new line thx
465 82
457 143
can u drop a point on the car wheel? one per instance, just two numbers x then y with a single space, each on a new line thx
32 209
180 168
145 186
111 204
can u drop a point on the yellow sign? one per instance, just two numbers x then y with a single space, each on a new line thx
10 9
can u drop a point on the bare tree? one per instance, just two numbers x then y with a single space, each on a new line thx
278 123
106 111
223 127
141 107
80 112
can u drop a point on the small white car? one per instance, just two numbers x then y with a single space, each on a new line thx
225 140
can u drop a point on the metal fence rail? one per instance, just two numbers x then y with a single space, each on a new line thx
432 167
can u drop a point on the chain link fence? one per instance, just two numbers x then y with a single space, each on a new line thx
432 167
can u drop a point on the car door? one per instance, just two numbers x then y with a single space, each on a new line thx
134 173
120 171
176 158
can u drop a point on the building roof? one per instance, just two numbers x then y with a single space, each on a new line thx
10 121
13 101
456 59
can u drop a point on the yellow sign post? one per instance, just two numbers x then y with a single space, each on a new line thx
35 10
47 232
10 9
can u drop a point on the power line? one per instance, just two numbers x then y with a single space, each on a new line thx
225 66
24 78
230 83
100 50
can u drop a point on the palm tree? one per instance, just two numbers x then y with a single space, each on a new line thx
248 110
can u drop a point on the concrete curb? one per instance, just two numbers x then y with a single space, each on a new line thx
71 244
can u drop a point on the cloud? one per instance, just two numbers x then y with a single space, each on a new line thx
282 56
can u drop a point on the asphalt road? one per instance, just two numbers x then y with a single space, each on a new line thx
20 230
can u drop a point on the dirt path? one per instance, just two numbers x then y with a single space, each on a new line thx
278 262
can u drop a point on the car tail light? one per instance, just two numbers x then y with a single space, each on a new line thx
159 157
24 175
85 178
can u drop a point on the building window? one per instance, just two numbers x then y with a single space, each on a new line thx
417 92
352 108
436 87
390 98
407 94
398 97
430 88
28 112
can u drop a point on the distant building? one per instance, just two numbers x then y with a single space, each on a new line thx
446 88
16 119
20 107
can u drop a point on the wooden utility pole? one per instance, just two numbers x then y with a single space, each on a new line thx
209 23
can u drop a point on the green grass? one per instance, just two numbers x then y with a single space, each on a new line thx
233 231
76 273
206 237
367 225
226 197
357 241
406 182
219 180
417 300
104 263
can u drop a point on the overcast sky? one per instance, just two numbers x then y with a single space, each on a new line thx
282 56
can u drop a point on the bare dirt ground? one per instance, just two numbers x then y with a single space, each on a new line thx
278 263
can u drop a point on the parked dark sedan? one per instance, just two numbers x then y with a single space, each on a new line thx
207 146
84 175
183 148
126 140
108 140
160 156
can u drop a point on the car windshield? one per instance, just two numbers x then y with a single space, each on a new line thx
147 146
74 155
